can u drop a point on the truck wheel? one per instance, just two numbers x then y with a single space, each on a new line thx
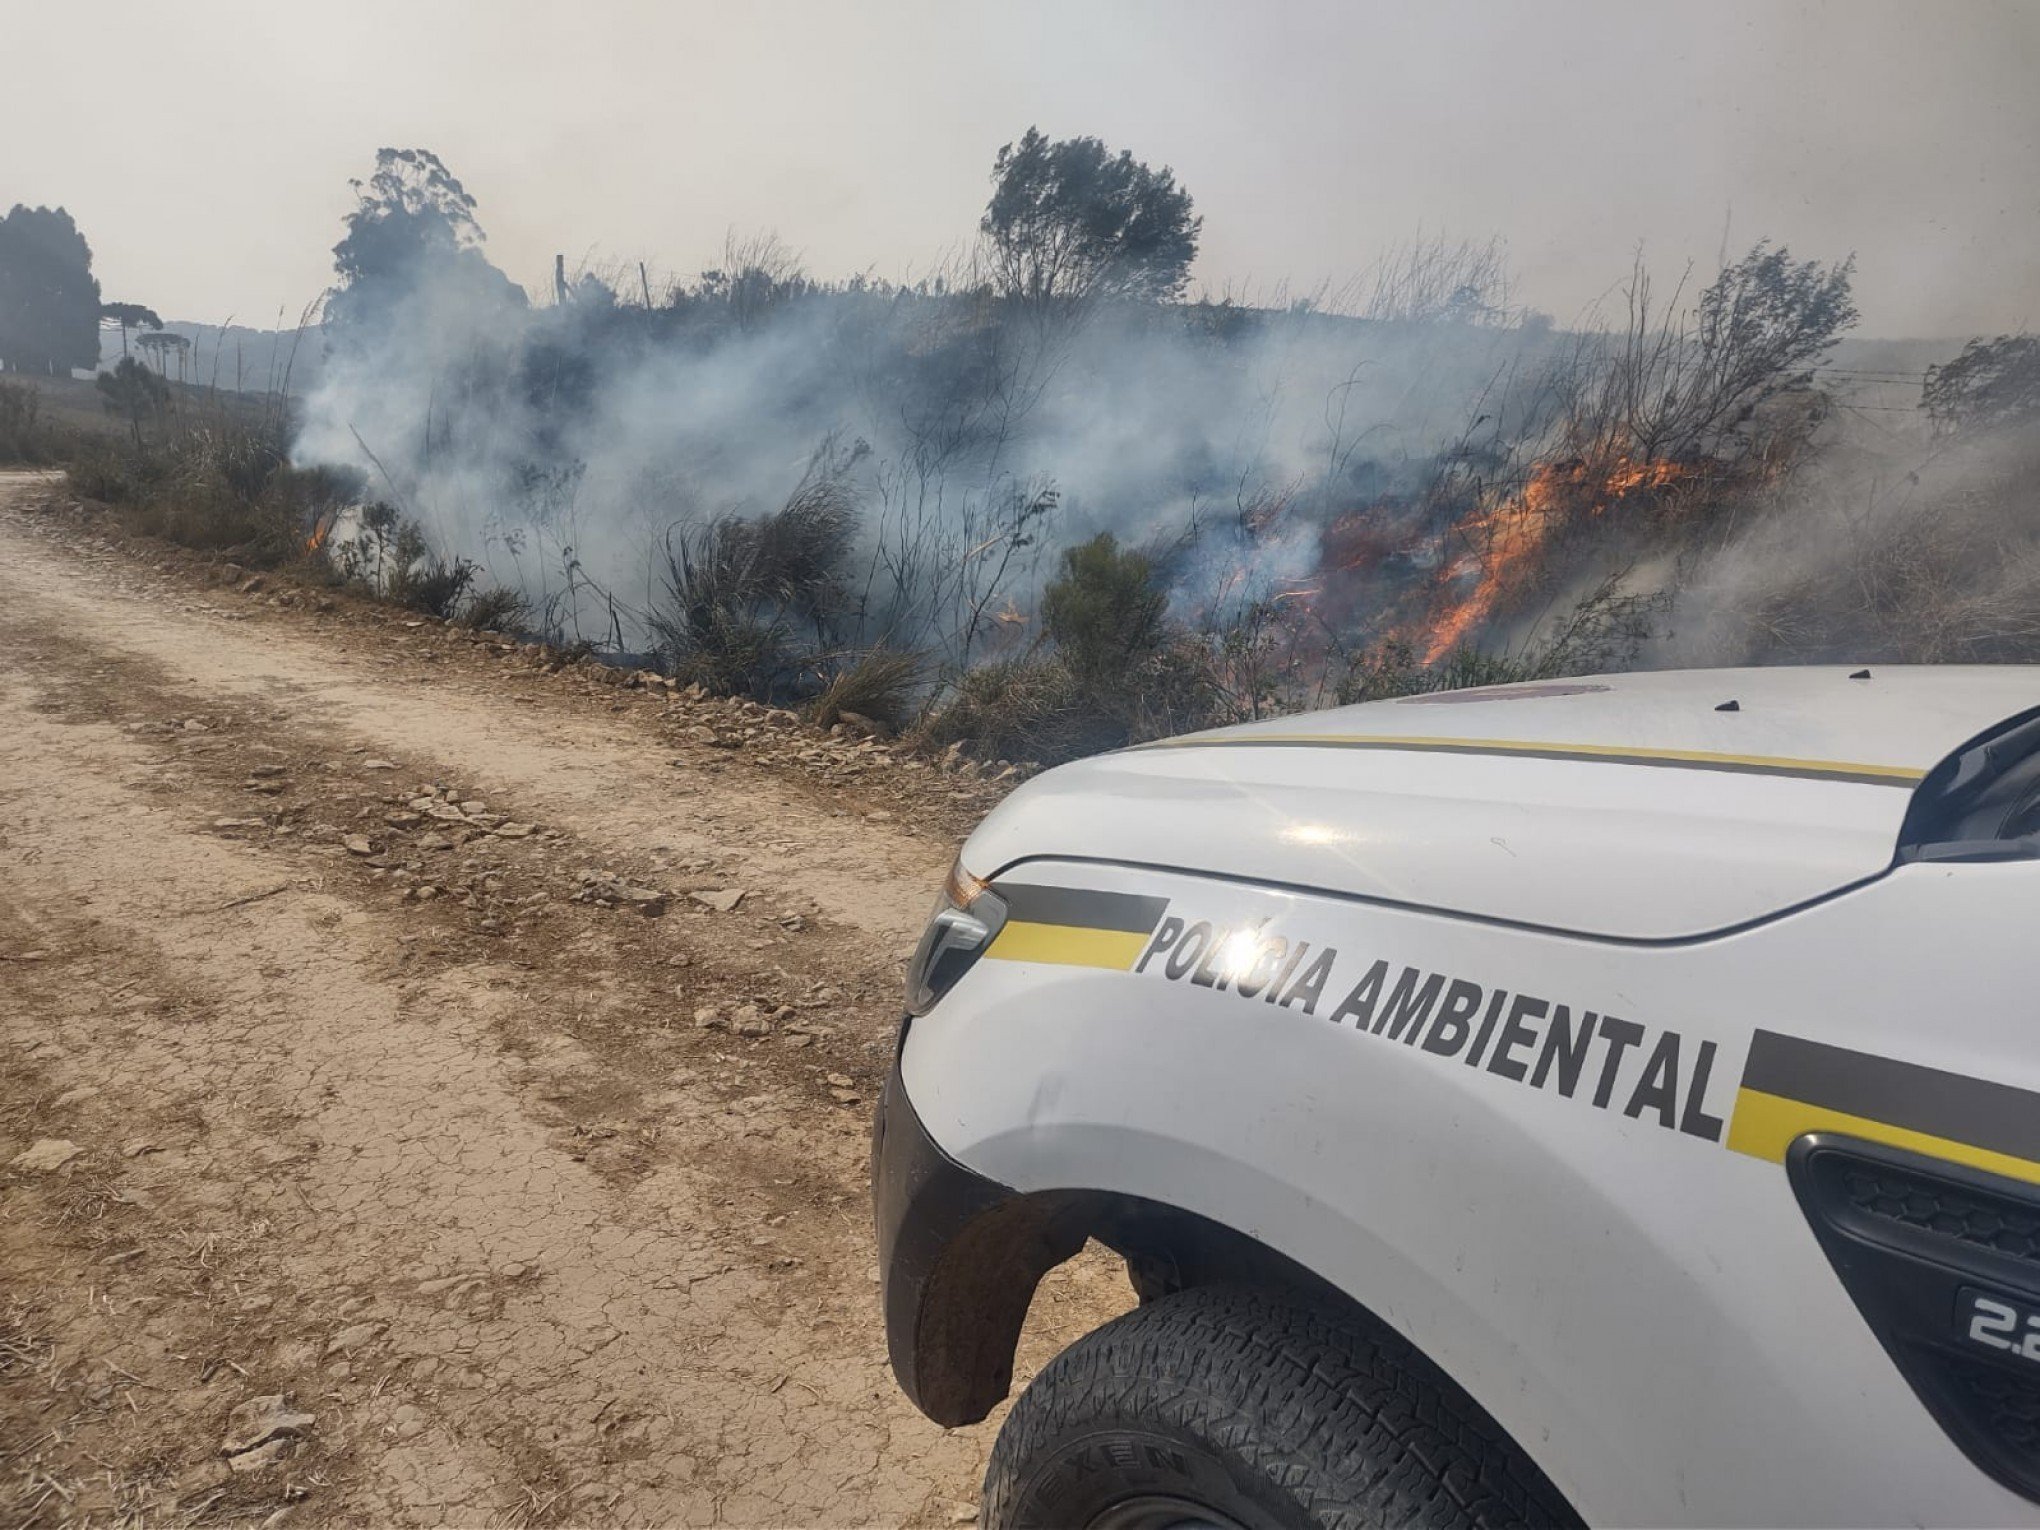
1248 1408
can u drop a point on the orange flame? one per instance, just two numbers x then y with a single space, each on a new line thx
1511 534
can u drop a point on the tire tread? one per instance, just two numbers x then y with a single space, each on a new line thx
1349 1422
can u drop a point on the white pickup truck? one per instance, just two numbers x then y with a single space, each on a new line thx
1612 1100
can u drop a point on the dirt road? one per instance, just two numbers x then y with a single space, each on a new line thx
346 1058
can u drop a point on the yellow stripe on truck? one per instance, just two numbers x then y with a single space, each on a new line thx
1613 754
1765 1125
1068 945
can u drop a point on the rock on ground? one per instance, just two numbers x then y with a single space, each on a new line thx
46 1156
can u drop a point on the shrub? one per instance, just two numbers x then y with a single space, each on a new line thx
738 591
29 437
1029 708
108 469
1603 630
1175 689
20 435
223 483
1104 610
1940 567
1038 708
1991 385
881 683
1119 672
732 653
389 556
497 609
227 460
434 588
314 495
134 393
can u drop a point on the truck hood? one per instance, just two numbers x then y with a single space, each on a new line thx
1639 807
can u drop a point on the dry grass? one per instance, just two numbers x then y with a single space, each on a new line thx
882 684
1938 564
497 609
53 1401
739 589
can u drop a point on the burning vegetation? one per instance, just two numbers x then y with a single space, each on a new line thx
1040 504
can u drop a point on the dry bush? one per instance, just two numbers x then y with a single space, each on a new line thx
757 273
882 683
497 609
1680 385
114 472
432 587
733 653
941 570
1436 279
1944 585
221 482
25 437
1878 558
315 495
1993 385
1037 707
1029 708
390 557
1392 669
1175 689
749 602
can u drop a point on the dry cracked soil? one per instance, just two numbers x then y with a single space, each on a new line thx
402 1120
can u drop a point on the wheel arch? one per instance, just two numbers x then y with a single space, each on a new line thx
978 1287
978 1291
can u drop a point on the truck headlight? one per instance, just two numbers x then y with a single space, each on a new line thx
967 919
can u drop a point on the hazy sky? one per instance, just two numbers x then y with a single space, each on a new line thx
205 145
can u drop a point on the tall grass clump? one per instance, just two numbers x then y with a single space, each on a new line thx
882 685
746 601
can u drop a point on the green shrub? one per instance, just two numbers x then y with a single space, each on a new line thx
1119 673
1104 610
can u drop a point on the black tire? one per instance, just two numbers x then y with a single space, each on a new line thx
1259 1409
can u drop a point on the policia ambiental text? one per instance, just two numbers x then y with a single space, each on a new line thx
1612 1063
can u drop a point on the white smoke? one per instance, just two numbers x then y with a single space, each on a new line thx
558 447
